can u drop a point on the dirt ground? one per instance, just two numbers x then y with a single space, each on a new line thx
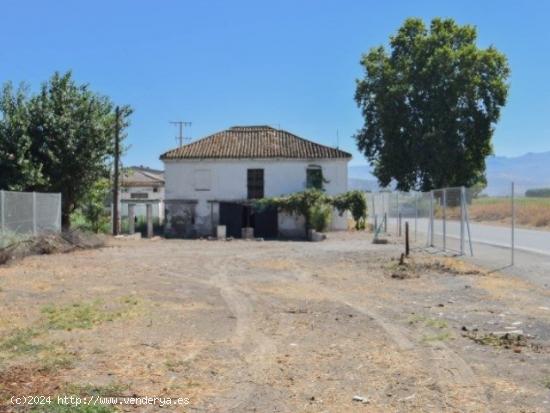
250 326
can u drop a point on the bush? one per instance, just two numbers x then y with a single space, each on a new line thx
81 222
354 202
320 217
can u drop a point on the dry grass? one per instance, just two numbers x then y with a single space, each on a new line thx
530 212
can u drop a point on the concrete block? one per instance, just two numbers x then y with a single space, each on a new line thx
247 233
221 232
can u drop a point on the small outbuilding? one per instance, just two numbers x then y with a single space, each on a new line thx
215 180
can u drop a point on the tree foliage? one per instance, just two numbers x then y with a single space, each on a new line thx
93 205
430 104
17 169
538 193
63 137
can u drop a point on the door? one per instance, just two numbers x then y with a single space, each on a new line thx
231 215
265 223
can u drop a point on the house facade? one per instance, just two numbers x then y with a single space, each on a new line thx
214 181
140 186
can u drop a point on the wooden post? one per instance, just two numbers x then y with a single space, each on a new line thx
3 210
131 219
116 227
149 214
407 246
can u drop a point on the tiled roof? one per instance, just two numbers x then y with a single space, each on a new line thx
140 177
254 142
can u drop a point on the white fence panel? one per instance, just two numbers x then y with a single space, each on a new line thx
29 212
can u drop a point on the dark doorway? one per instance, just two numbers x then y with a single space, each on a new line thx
265 223
231 215
236 216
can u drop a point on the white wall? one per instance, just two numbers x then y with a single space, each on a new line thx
158 208
188 179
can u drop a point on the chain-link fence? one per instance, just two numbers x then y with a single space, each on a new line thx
29 212
462 221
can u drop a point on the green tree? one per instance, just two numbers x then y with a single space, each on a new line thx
71 130
93 205
430 105
17 170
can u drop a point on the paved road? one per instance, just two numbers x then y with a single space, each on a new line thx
526 240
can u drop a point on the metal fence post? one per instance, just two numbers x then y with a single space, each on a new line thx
415 216
397 214
3 209
34 232
444 219
462 218
431 218
513 223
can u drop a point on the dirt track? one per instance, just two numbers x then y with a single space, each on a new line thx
278 327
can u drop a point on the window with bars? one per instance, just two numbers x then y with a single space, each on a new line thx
255 183
314 177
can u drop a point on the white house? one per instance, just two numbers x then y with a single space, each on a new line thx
141 186
212 181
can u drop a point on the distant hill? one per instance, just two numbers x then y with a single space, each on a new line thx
363 184
528 171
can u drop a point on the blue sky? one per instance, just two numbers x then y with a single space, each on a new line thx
291 64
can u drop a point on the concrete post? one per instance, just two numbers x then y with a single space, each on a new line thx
444 219
131 219
34 230
431 218
462 218
513 261
149 215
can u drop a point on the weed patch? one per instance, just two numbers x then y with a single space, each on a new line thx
20 341
83 315
414 267
509 341
443 336
428 322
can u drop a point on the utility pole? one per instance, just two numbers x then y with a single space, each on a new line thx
116 228
181 124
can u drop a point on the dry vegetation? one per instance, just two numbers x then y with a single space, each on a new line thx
272 326
530 212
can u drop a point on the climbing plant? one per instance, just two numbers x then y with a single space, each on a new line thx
354 202
311 202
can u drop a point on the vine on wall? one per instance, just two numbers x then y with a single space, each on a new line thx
306 204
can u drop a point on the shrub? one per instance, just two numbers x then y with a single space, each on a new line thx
320 217
354 202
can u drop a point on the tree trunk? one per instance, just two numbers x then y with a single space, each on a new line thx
65 220
66 208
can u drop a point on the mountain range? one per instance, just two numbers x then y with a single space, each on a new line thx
528 171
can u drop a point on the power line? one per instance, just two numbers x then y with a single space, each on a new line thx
181 124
